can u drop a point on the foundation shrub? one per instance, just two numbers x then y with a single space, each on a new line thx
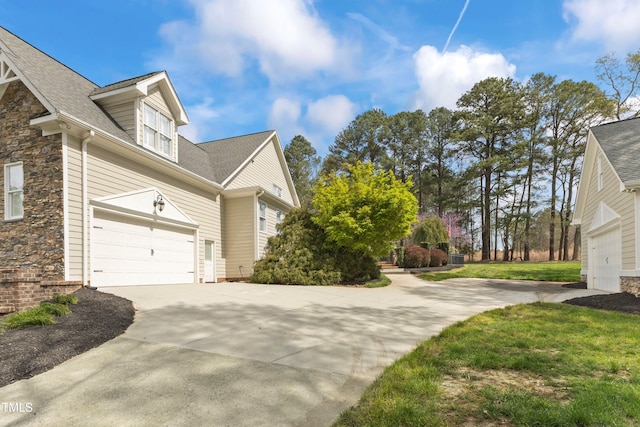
416 257
438 258
301 254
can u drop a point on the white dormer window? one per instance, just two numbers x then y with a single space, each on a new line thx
277 190
157 131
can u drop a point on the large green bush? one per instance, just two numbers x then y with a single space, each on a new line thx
364 209
293 256
355 266
301 254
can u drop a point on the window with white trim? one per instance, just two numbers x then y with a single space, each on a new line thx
158 134
277 190
278 216
263 216
13 191
600 177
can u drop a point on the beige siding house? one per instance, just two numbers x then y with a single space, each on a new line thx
99 188
608 207
256 179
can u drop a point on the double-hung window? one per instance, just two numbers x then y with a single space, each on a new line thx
13 191
277 190
157 131
263 216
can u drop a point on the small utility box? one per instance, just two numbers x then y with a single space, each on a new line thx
456 259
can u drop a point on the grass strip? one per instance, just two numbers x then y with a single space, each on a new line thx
43 314
561 271
535 364
381 282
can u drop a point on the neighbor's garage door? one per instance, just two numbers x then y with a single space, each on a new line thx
607 259
127 251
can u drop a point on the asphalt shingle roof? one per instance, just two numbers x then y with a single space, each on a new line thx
70 92
194 159
227 154
62 87
123 83
620 142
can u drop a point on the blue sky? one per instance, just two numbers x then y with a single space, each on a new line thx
310 66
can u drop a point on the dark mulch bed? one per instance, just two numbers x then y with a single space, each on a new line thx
624 302
97 318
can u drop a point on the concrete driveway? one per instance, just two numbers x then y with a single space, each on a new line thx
243 354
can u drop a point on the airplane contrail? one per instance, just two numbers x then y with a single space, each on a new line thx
455 27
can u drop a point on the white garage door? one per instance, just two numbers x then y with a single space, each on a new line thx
607 259
127 251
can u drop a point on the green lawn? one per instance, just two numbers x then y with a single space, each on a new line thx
566 271
380 283
527 365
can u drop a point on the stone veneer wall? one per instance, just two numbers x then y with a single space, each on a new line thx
630 284
36 241
23 288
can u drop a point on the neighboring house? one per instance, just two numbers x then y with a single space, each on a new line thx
99 189
608 207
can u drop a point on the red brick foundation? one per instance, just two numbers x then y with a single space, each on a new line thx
23 288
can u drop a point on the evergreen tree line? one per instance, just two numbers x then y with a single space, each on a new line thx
505 162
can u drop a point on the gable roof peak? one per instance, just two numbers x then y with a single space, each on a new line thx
228 154
124 83
139 86
620 142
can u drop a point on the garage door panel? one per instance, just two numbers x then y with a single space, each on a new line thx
128 251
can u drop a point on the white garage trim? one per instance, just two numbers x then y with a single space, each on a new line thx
141 203
135 251
134 242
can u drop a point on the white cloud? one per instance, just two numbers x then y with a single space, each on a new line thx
331 114
284 111
200 116
286 38
322 120
191 132
284 117
444 77
613 22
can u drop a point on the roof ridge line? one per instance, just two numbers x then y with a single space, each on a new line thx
48 56
237 136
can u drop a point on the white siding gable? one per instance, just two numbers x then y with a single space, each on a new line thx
264 170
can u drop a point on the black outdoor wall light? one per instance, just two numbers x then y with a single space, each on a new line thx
159 203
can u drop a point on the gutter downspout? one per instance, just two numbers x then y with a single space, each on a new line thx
256 225
85 210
